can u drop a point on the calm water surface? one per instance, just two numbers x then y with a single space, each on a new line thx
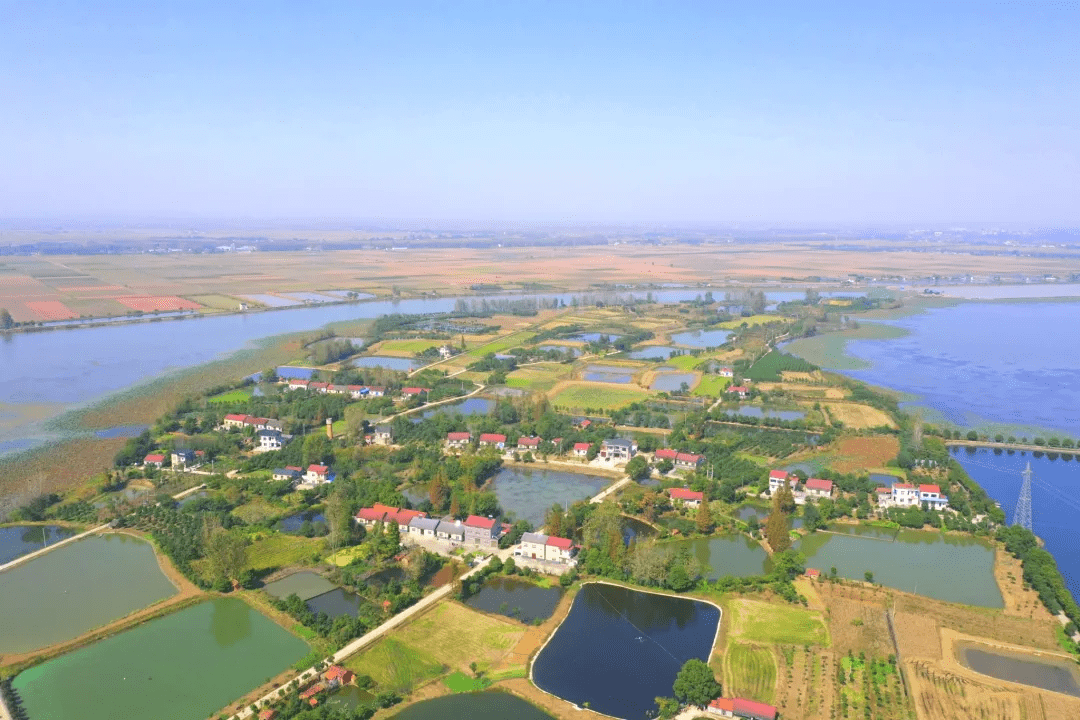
503 595
663 352
381 361
735 555
1060 676
18 540
529 493
619 649
491 705
336 603
470 406
607 373
216 651
944 567
77 588
293 523
305 584
760 412
701 338
668 382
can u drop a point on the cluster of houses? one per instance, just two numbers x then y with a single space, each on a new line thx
356 392
907 495
181 459
460 440
334 677
314 476
268 431
474 530
681 460
741 708
549 548
812 488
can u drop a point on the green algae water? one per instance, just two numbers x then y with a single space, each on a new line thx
491 705
184 666
76 588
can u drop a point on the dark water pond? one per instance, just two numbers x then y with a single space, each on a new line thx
619 649
391 363
18 540
1058 676
516 598
594 337
634 529
469 406
349 697
304 584
735 555
701 338
491 705
337 602
607 373
293 523
883 479
669 382
529 493
760 412
653 352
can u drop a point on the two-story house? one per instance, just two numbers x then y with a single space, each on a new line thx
618 449
458 440
818 488
557 549
533 545
481 531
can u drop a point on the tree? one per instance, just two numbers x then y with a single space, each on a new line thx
6 323
553 521
668 707
438 490
638 468
784 500
226 553
972 435
695 684
704 517
317 449
339 516
811 517
869 576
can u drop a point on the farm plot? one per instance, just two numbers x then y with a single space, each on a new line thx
217 302
711 386
406 347
157 303
755 621
806 682
858 417
396 665
231 396
537 377
50 310
596 396
857 453
502 344
750 671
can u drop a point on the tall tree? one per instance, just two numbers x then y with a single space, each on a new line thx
226 554
438 490
339 515
695 684
455 506
704 517
553 521
6 323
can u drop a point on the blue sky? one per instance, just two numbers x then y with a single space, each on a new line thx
576 112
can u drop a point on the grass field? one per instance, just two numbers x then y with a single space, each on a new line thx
279 550
711 386
459 682
754 621
456 635
686 362
749 321
599 396
346 555
396 665
408 347
217 302
501 344
232 396
858 417
750 672
538 377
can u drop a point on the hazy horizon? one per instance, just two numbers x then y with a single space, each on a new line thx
486 114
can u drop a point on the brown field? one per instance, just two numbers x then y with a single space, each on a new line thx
157 304
814 392
858 417
857 453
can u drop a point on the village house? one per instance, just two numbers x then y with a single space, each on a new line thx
557 549
534 545
424 527
458 439
403 517
618 449
481 531
665 454
268 713
816 487
900 495
411 392
384 435
154 459
740 708
813 573
183 458
357 392
742 391
287 473
726 372
777 478
234 420
581 449
496 440
687 497
317 475
931 495
298 384
688 461
319 386
528 444
375 390
337 676
450 529
369 516
269 440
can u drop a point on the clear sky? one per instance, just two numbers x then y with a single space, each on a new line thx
575 112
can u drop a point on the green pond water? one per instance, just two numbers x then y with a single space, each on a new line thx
184 666
491 705
305 584
944 567
735 555
76 588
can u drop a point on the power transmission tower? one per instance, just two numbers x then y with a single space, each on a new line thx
1022 516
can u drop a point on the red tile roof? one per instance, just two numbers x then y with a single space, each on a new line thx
293 467
458 436
778 475
755 709
585 423
666 454
883 490
336 672
930 489
404 517
903 486
493 438
370 514
236 417
582 446
688 458
413 390
724 704
559 542
154 458
479 522
320 469
819 484
813 572
267 714
529 441
684 494
737 389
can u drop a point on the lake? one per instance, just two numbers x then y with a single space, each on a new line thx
978 364
736 555
529 492
216 651
469 406
1055 499
337 602
19 540
608 373
701 338
76 588
670 382
945 567
1057 675
618 649
390 363
515 598
760 412
490 705
654 352
304 584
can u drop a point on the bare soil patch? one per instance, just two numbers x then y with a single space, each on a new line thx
857 453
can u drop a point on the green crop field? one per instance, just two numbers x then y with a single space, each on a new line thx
499 345
750 321
396 665
686 362
767 623
711 385
750 671
459 682
408 346
599 396
232 396
279 550
537 377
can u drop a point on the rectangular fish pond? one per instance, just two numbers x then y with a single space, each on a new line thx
515 598
618 649
186 665
1049 673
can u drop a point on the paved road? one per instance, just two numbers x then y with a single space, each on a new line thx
365 640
